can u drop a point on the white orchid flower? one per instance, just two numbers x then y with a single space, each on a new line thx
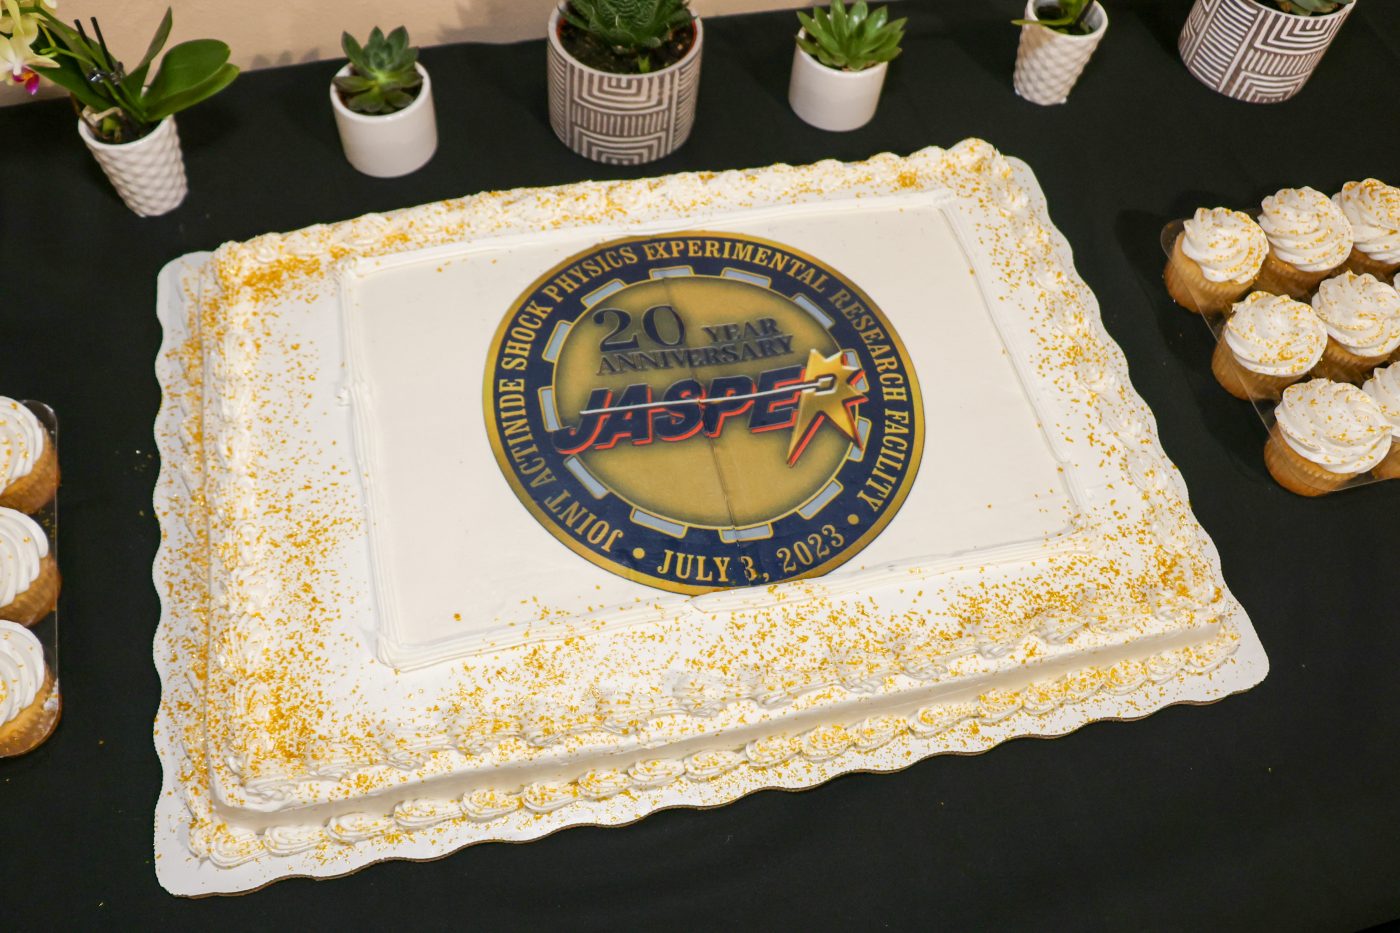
23 10
17 57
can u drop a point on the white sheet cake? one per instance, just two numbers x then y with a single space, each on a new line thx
560 506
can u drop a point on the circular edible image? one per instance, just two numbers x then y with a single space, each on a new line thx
697 411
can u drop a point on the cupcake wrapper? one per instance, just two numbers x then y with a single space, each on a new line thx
1244 383
39 599
1192 290
1341 365
1361 264
32 727
1389 468
1297 473
1282 278
32 491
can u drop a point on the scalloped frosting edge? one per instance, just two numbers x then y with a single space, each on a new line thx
228 848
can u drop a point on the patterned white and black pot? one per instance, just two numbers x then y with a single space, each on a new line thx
1255 53
622 119
1048 63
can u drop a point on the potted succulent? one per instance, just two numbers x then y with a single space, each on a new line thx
623 77
838 68
1259 51
1058 37
126 117
383 103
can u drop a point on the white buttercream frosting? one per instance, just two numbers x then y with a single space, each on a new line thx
1275 335
1360 312
1335 425
1373 209
1384 388
1305 229
21 670
23 545
21 441
1228 245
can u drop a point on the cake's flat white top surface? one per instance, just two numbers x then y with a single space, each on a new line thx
455 552
1044 571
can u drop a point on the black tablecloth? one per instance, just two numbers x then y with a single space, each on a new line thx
1277 809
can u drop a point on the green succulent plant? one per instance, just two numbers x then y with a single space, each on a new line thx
1069 22
382 75
1310 7
630 28
850 40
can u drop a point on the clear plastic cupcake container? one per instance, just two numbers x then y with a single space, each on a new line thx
46 629
1264 407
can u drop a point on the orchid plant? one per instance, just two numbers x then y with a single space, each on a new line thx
118 105
19 30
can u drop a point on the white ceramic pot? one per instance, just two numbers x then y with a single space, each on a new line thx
832 99
1255 53
1048 63
622 119
387 145
149 173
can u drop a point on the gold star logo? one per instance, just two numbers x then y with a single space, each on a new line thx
831 400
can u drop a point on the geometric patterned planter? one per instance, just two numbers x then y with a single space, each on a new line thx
1254 53
621 119
148 173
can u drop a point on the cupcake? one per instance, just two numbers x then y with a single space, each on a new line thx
28 463
1268 343
29 700
1384 387
1362 317
1215 260
1326 433
1309 239
28 574
1373 210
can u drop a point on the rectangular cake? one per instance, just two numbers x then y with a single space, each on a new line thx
560 506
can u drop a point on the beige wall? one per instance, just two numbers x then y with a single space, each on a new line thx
263 33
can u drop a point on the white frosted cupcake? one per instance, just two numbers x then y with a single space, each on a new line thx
28 463
1384 387
1309 239
28 574
29 700
1362 317
1326 433
1215 259
1269 342
1373 210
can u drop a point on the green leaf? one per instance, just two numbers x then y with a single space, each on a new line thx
398 41
353 84
183 100
136 78
353 50
186 66
69 76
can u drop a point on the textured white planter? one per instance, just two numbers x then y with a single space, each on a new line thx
1255 53
149 173
622 119
831 99
388 145
1048 63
